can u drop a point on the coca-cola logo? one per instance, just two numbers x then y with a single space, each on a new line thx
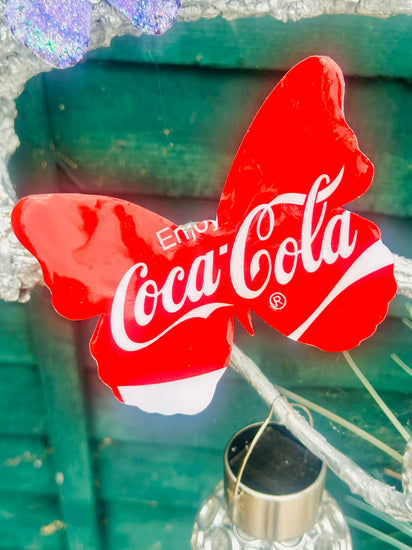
201 279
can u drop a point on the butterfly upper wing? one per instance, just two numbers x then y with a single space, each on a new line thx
86 245
298 135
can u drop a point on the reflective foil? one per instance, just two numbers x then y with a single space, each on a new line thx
290 10
19 271
56 31
151 16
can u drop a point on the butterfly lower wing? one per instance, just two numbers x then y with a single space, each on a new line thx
340 304
108 257
176 374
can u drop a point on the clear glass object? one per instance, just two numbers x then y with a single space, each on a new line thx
272 497
214 530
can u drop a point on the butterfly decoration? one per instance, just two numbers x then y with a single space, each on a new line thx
281 246
58 31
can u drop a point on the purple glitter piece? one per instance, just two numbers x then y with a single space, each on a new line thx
57 31
151 16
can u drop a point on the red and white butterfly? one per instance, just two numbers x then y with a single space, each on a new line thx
281 246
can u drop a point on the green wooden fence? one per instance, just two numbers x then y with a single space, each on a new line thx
158 120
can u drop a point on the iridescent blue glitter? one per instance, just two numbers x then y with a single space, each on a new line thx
151 16
58 30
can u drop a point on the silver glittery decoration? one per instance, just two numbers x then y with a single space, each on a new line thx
19 271
403 275
290 9
56 31
407 468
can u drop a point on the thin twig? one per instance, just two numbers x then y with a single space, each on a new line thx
377 494
378 399
404 527
407 322
392 473
377 534
399 362
343 422
250 450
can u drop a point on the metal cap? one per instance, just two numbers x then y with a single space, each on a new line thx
281 487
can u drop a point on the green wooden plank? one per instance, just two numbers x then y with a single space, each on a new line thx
146 527
26 465
30 523
387 140
139 482
159 473
174 127
175 131
14 338
364 46
32 121
123 470
21 404
63 395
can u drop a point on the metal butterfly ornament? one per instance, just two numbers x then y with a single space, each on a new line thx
281 246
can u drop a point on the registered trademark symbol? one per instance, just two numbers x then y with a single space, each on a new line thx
277 301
